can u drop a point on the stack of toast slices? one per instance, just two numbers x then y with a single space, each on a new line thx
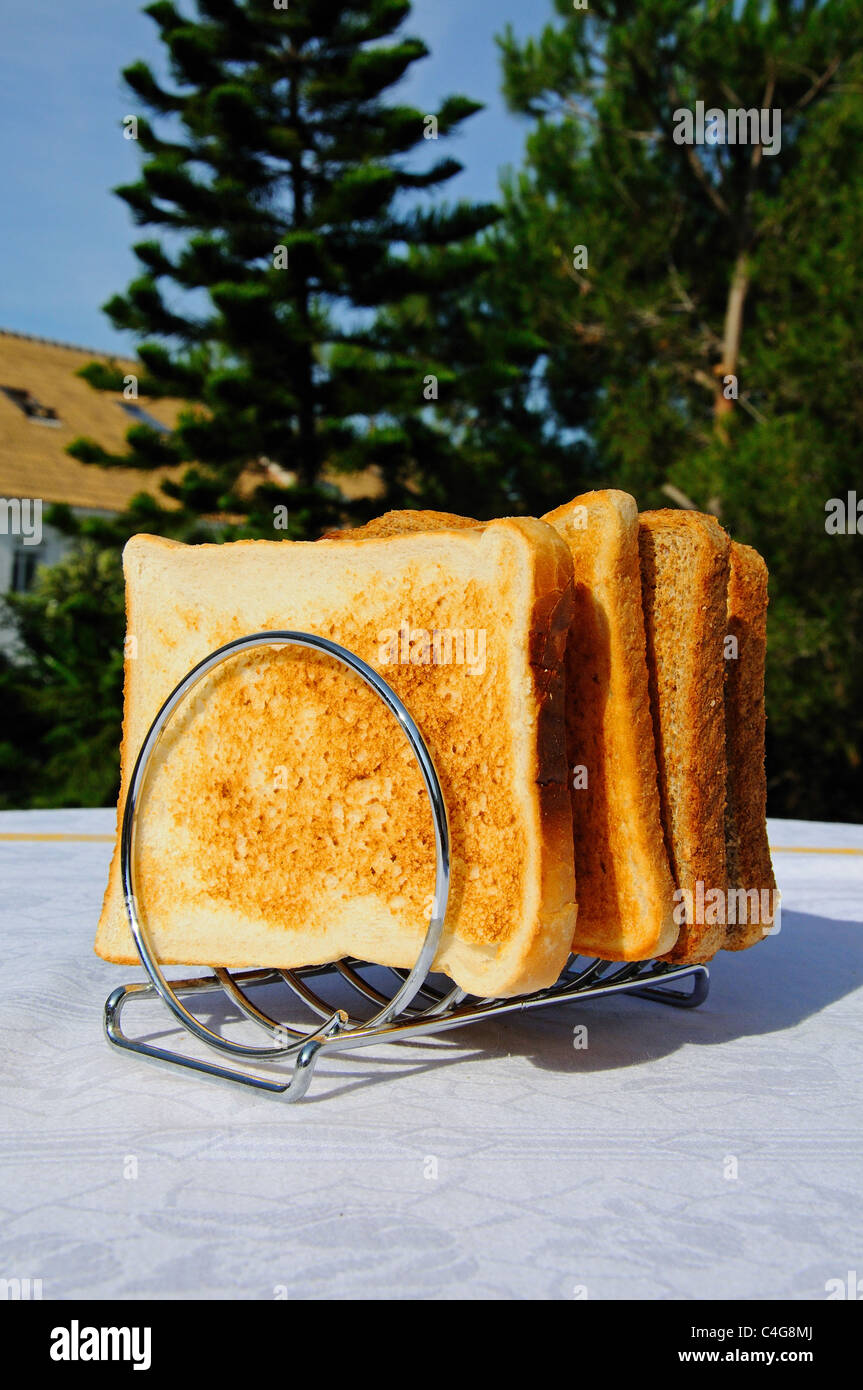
590 687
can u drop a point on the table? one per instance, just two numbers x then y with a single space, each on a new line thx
683 1155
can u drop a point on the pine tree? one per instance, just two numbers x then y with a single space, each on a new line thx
487 450
696 308
280 181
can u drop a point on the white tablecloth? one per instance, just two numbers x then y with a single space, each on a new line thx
503 1163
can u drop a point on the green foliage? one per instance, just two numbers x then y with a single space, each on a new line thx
279 186
633 349
61 691
479 365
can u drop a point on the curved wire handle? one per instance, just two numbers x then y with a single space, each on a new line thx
339 1019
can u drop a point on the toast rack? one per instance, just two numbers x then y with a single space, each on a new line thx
367 1004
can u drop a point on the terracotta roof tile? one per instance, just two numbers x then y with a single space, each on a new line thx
33 458
33 461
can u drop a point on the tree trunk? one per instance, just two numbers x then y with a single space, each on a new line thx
731 337
306 464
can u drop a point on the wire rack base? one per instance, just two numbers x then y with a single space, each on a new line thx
436 1012
378 1004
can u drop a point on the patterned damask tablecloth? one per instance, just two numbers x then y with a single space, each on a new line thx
503 1163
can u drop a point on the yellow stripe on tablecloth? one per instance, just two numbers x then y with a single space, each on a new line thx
810 849
27 837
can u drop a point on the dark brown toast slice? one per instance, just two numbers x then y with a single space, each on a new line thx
750 870
684 574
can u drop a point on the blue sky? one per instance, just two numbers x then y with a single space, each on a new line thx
65 238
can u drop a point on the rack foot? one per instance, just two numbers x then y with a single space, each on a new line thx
292 1090
679 998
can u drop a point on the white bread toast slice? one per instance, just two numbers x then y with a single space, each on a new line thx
623 883
684 573
624 888
284 821
748 853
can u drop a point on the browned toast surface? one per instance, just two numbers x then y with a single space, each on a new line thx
285 821
749 864
624 887
401 523
684 573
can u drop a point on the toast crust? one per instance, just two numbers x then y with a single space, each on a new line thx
402 523
624 888
684 571
748 851
510 923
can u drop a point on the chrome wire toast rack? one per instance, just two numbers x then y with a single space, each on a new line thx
352 1004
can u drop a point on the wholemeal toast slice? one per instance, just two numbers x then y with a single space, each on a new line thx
285 822
624 888
750 870
684 573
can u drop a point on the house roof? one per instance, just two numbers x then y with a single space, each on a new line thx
33 458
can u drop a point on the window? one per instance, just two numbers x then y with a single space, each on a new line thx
143 417
28 405
25 560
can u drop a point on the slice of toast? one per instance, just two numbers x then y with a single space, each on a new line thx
684 573
402 523
284 821
750 870
624 888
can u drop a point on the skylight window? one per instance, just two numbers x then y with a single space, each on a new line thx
28 405
143 417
